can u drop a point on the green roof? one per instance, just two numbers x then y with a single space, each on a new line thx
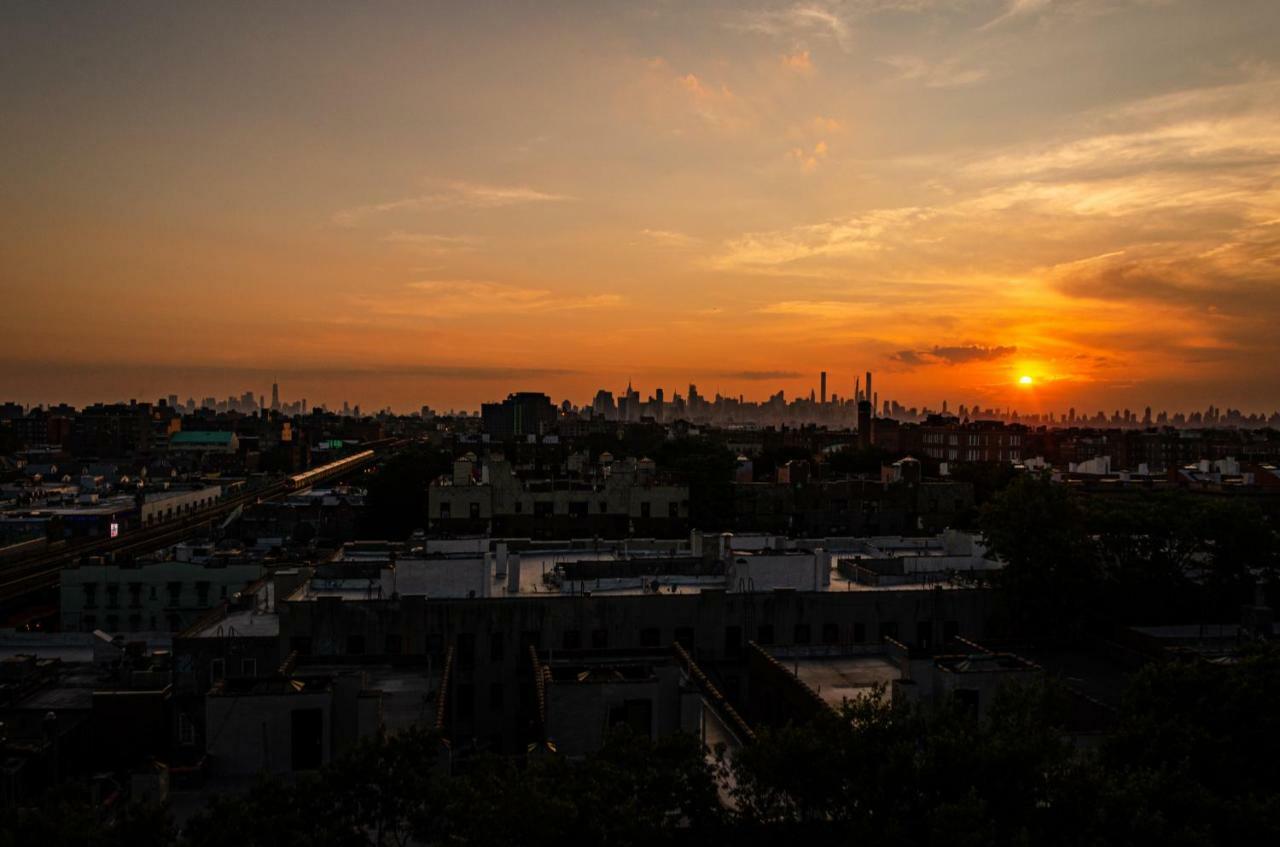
201 437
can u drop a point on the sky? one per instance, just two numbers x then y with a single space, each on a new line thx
439 203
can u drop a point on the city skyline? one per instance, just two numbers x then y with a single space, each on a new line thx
437 201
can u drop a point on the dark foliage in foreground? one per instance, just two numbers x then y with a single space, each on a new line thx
1193 761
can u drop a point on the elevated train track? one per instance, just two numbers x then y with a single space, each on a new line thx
28 574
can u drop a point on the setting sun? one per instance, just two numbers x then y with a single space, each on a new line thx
1025 380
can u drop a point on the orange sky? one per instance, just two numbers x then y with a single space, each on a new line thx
408 203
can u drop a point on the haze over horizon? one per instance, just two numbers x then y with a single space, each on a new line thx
444 203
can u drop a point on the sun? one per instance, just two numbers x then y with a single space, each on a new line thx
1025 380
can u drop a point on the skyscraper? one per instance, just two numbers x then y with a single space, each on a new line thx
275 396
823 390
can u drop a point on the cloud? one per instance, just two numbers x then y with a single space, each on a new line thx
945 74
1016 10
432 244
800 62
958 355
814 19
669 238
448 298
863 234
808 159
452 195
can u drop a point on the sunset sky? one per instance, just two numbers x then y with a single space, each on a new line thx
408 203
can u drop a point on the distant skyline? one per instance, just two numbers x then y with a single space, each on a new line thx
398 204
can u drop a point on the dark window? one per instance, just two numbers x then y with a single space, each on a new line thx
519 506
113 623
604 507
733 640
831 633
394 644
803 634
599 639
445 511
217 669
495 696
859 632
673 510
355 645
135 594
90 622
764 634
175 592
202 593
635 714
465 700
90 596
466 650
543 508
113 596
650 636
135 623
644 509
497 646
306 731
684 637
474 510
572 639
578 508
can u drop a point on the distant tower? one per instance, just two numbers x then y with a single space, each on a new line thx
823 392
275 396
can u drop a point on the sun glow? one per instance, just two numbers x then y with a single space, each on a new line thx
1025 380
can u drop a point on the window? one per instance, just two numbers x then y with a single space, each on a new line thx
604 507
599 639
175 592
248 667
803 634
135 623
733 641
135 594
465 651
645 508
90 622
650 636
151 594
444 511
764 634
673 510
113 596
542 508
90 595
497 646
831 633
572 639
113 624
202 593
473 510
355 645
217 669
465 700
578 508
186 730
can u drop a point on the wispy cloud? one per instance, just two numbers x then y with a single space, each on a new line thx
956 355
446 298
943 74
669 238
450 195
